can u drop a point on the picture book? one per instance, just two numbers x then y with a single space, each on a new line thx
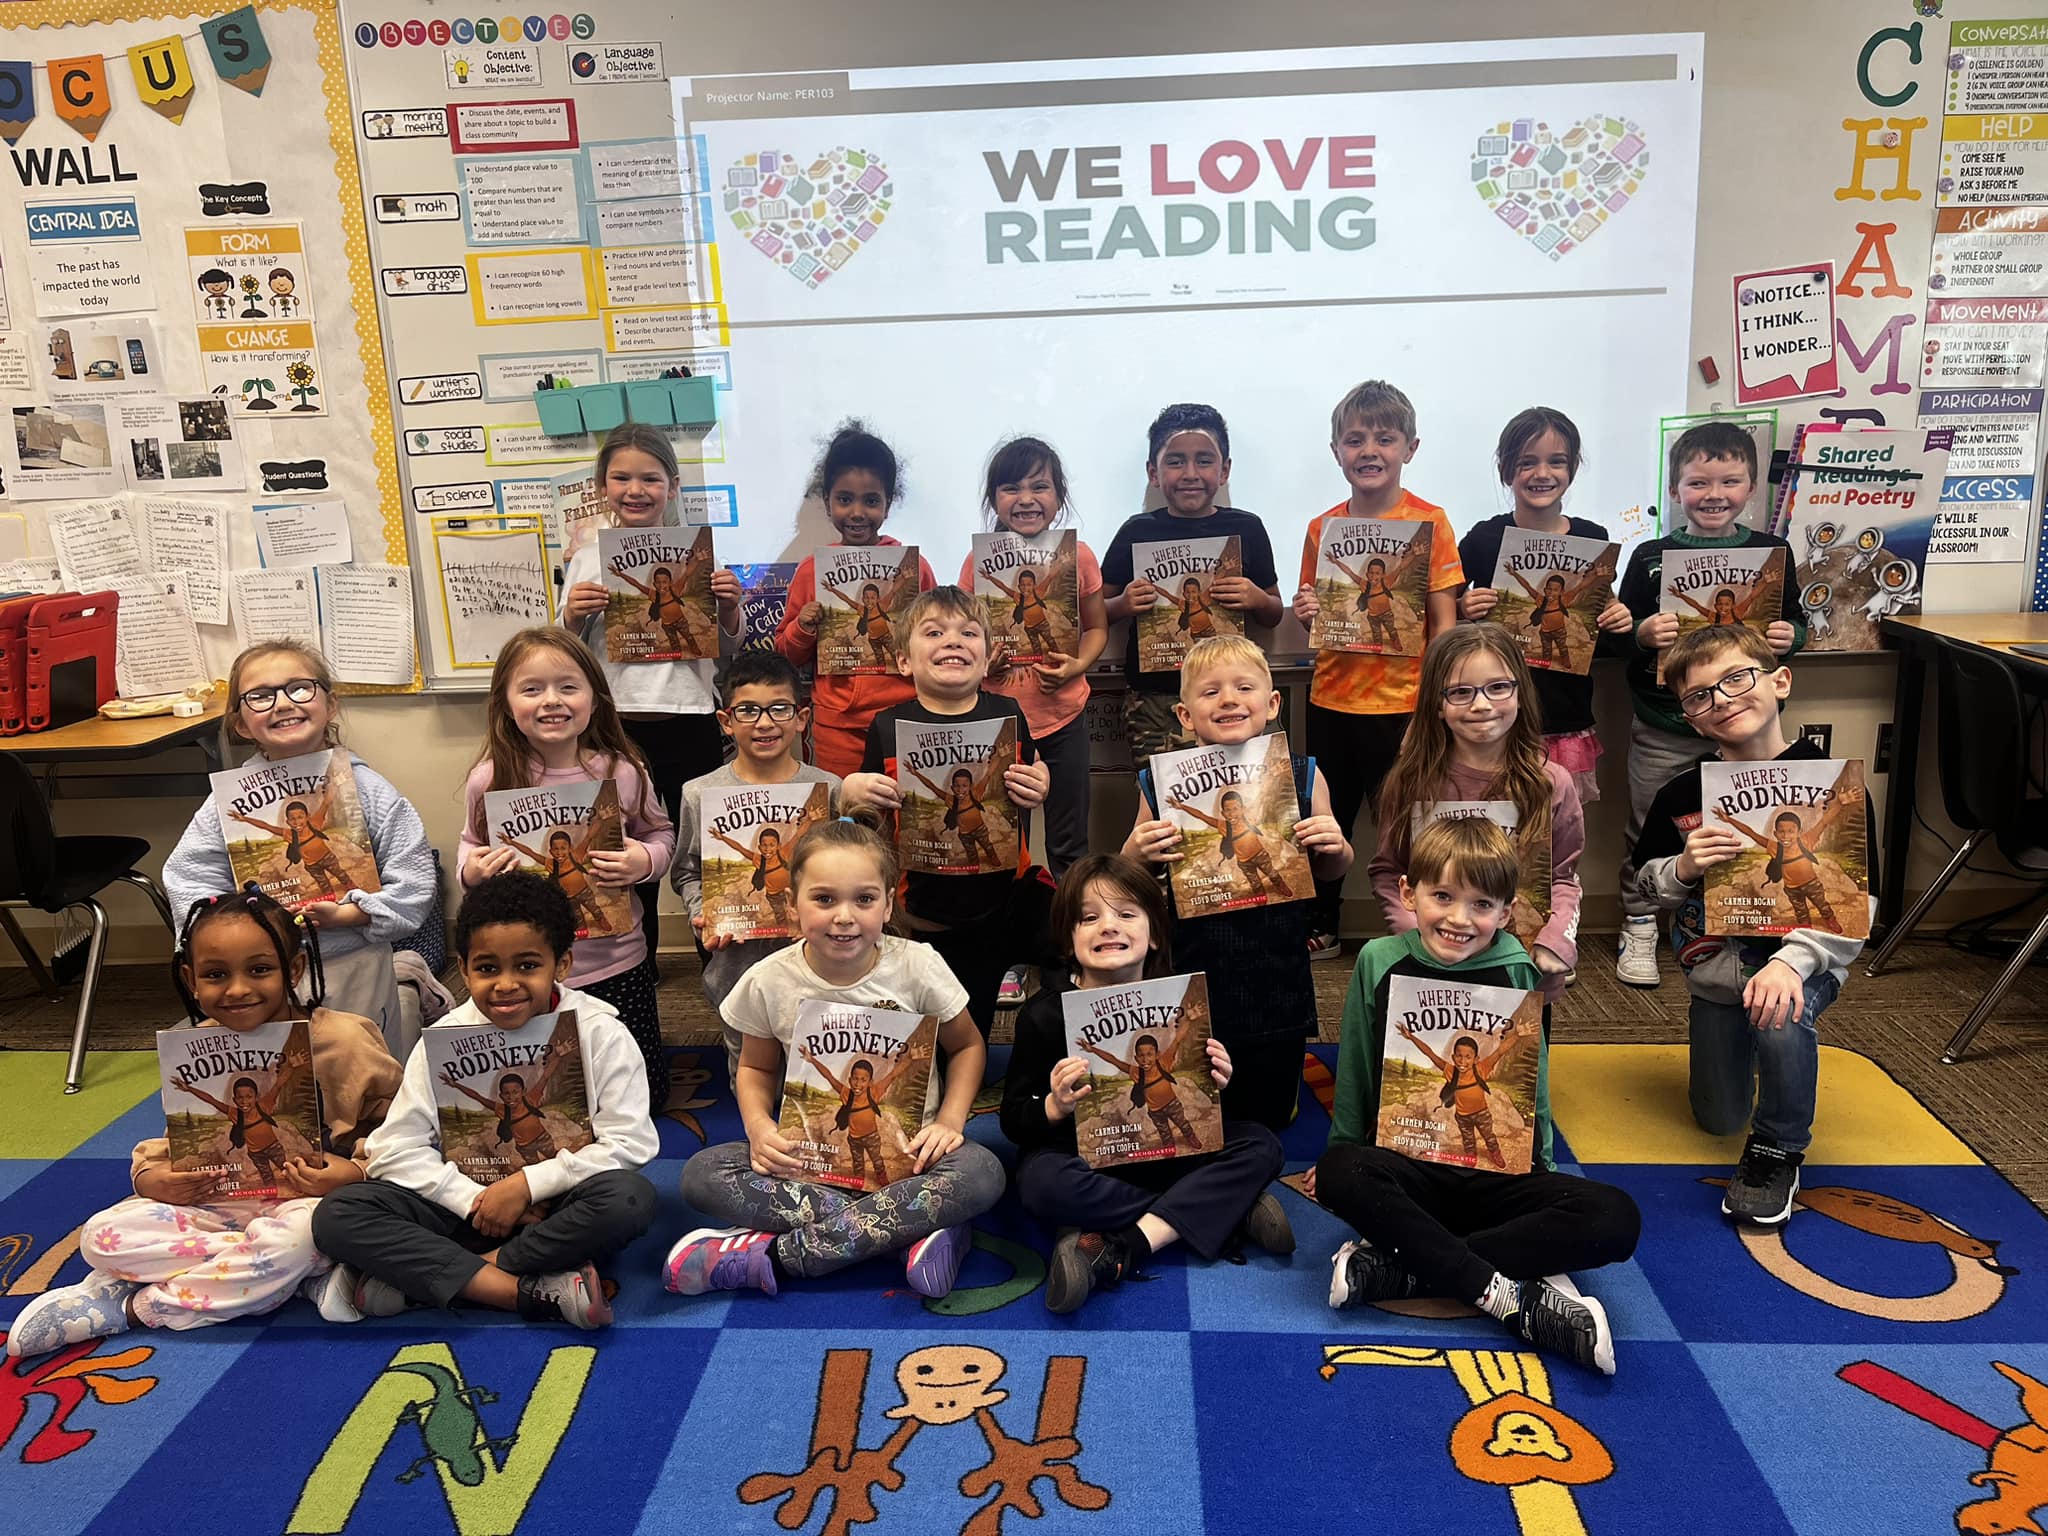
659 606
1030 591
864 591
857 1086
508 1098
555 828
1806 859
746 834
1552 587
1710 587
764 595
1372 586
1458 1073
296 827
957 818
1149 1094
1236 808
1863 513
579 509
1532 851
1183 571
239 1103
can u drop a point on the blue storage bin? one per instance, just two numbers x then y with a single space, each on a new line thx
604 406
649 401
560 414
694 400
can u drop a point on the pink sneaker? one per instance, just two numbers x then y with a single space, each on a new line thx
720 1259
931 1263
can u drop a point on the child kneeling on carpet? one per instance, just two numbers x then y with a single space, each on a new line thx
1437 1229
777 1225
421 1231
172 1257
1111 921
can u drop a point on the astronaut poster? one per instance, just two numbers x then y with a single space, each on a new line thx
1860 514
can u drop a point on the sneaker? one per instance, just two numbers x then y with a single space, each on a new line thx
372 1297
1637 964
1573 1326
572 1296
95 1308
931 1263
720 1259
1266 1225
1325 946
1762 1189
333 1294
1360 1273
1011 993
1083 1263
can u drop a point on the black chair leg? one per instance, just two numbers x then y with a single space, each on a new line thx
1905 925
29 957
2022 957
157 898
88 986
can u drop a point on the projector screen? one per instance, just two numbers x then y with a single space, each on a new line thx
961 254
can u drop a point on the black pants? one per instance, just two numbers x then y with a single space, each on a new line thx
979 952
677 748
1201 1198
1065 754
634 994
1265 1081
1354 752
430 1253
1454 1228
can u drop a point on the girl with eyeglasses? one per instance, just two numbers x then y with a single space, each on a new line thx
281 698
1476 747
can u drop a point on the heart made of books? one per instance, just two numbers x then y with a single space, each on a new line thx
809 217
1556 188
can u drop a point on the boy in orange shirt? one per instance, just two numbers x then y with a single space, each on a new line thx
1358 704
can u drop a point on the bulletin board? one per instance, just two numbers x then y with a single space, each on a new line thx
223 155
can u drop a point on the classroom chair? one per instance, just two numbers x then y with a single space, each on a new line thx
1982 750
47 873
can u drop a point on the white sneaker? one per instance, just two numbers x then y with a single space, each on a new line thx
1638 963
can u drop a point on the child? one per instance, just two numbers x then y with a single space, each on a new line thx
1257 958
1358 704
281 697
1434 1229
765 715
1480 738
1756 1002
421 1231
1027 494
1713 474
666 706
858 480
1110 921
1187 461
550 719
779 1226
1538 458
980 924
173 1257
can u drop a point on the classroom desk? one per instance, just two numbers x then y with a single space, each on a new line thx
1916 638
98 740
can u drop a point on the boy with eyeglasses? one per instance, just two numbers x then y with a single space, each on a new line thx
1756 1002
766 715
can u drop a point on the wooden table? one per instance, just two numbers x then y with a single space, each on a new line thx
111 741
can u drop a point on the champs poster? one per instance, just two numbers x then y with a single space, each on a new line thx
1458 1073
1552 587
659 606
1532 852
1372 586
865 592
957 818
508 1098
1030 592
296 828
1710 588
1806 863
1183 612
1236 808
1149 1093
555 828
239 1103
744 845
857 1087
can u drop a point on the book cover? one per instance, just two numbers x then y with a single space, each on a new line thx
764 596
296 828
579 508
555 828
857 1087
1713 587
1030 591
1807 860
1183 570
1236 808
1532 852
660 606
1552 587
1863 513
957 818
864 592
239 1103
508 1098
744 841
1458 1073
1149 1094
1372 586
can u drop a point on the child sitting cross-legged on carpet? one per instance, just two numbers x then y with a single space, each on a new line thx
173 1256
422 1231
1435 1228
1111 920
777 1225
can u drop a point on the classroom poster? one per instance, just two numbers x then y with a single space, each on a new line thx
1863 513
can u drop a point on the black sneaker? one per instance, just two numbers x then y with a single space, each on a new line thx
1360 1273
1572 1326
1266 1225
1083 1263
1762 1189
572 1296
